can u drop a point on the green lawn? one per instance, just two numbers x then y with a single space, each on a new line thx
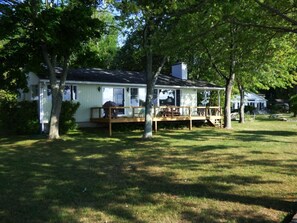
248 174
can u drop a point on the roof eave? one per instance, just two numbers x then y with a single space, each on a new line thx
135 84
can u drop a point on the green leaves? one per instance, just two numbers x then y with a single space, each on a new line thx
30 25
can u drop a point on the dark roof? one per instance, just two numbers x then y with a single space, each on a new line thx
130 77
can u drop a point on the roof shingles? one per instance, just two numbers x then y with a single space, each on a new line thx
132 77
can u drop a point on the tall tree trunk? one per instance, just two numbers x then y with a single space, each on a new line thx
230 79
151 79
55 113
57 88
148 125
227 106
241 107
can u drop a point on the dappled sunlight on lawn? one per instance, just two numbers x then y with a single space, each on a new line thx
205 175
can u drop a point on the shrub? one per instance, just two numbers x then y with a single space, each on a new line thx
293 104
22 117
67 120
249 109
19 117
27 119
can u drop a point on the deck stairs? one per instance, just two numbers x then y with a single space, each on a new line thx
214 122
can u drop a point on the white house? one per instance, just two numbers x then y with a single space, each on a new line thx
254 100
93 87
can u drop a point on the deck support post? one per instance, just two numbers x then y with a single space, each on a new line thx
110 128
156 126
190 118
219 98
109 122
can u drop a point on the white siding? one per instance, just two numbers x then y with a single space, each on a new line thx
45 104
88 96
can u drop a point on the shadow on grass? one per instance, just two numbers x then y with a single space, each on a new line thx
210 215
220 134
263 136
49 181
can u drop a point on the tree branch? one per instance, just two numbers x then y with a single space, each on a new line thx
50 67
277 12
274 28
212 63
64 73
165 58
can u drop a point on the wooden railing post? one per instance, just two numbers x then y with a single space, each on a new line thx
109 121
190 119
133 112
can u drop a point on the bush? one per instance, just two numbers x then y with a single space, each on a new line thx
19 117
22 117
293 104
27 119
249 109
67 120
278 108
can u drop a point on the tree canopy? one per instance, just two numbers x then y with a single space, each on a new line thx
41 35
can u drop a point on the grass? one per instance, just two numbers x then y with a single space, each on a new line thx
247 174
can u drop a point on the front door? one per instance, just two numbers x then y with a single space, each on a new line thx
116 95
118 98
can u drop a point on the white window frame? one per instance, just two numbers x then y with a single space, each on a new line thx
174 95
34 92
73 92
140 96
111 97
73 89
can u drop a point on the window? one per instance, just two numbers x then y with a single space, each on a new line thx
167 97
137 96
70 93
118 96
34 92
206 98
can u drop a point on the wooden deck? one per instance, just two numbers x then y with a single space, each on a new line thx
161 114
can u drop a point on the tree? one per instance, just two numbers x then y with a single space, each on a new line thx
131 55
282 15
148 18
233 51
155 20
219 46
37 32
100 52
279 63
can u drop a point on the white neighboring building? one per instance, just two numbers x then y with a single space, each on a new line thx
254 100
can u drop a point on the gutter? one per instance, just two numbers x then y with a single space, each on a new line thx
137 85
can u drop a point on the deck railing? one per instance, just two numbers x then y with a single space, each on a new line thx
158 111
111 115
